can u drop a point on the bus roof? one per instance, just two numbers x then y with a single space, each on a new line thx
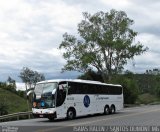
77 80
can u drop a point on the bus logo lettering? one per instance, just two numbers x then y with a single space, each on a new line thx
86 101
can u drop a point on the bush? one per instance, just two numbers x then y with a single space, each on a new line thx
146 98
130 88
130 91
3 107
21 93
8 87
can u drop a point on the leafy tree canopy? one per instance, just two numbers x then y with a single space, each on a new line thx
30 77
105 44
11 81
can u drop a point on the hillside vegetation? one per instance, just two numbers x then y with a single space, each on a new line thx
12 101
137 88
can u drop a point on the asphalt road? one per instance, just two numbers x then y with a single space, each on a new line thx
121 121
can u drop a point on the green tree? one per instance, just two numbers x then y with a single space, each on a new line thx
105 44
30 77
11 82
91 75
130 87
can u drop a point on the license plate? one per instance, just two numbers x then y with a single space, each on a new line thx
40 115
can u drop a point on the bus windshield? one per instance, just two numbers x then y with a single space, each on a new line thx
44 95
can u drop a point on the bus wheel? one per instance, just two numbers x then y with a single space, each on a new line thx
71 114
106 110
112 109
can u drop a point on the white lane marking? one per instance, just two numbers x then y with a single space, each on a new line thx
90 122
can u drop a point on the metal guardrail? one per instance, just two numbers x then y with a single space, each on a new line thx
16 115
29 113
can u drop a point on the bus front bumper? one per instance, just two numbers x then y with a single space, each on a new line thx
44 113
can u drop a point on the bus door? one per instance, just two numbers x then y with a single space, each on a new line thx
61 97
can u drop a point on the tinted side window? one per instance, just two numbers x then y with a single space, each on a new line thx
92 89
72 88
79 88
115 90
105 89
84 88
75 88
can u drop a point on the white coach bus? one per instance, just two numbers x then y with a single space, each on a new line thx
72 98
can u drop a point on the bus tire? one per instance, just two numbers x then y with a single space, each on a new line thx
71 114
106 110
112 109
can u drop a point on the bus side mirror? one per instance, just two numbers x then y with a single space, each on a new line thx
29 92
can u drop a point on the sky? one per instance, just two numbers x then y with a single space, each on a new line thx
32 30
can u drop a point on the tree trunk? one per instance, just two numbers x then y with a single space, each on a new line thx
106 77
27 102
